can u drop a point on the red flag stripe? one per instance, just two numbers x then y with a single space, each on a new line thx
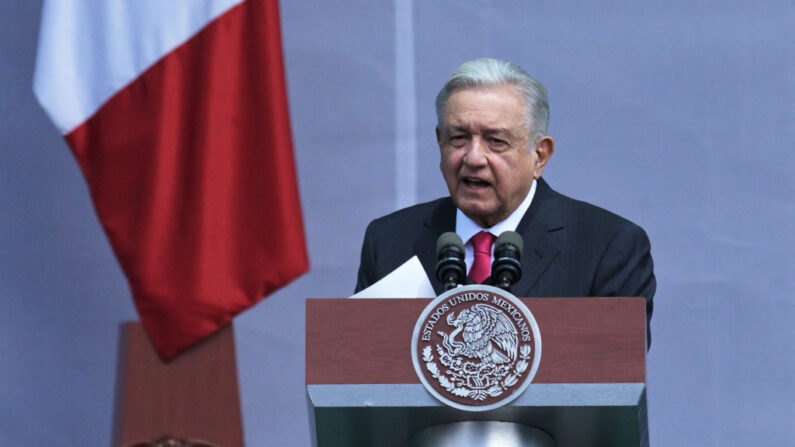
191 171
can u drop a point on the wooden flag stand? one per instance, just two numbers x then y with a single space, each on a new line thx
193 398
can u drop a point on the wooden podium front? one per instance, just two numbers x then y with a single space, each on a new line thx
589 389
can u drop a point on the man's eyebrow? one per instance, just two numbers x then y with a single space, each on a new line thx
451 127
484 130
493 130
497 131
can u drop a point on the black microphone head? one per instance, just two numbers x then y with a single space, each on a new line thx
451 268
447 239
512 238
506 268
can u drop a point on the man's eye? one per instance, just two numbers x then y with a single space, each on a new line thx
458 139
497 142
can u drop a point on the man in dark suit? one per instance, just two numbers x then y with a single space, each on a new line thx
492 122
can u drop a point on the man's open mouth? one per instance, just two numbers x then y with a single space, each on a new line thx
475 182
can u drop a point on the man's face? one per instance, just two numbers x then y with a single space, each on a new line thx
485 158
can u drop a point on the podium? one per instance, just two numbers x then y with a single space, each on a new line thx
589 390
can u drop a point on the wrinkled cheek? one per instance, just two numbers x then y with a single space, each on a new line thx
449 171
449 180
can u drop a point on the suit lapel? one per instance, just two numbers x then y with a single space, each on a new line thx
542 218
440 221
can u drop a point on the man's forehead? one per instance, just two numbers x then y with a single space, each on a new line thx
506 91
496 105
495 111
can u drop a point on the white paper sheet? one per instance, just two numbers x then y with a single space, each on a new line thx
407 281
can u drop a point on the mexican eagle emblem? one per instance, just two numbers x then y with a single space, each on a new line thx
476 347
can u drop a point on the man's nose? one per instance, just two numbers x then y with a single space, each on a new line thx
476 153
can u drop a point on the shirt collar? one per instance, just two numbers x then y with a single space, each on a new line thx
466 227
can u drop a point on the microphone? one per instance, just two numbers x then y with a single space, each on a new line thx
506 269
451 268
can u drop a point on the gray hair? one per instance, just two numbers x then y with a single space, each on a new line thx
489 72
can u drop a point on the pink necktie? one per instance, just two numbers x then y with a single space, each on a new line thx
481 267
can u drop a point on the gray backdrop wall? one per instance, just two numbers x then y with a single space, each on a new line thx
677 115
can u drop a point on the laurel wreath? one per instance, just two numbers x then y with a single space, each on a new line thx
477 394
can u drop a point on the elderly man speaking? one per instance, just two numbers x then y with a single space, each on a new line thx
492 123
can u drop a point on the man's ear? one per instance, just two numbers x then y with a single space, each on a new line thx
439 142
543 150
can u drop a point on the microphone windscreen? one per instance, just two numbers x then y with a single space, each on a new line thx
510 237
449 238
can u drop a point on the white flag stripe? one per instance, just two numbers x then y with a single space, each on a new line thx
90 49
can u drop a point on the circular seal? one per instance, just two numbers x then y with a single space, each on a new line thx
476 347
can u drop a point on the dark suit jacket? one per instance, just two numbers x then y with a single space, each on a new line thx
571 248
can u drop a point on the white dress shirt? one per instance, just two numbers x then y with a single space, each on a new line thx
466 227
